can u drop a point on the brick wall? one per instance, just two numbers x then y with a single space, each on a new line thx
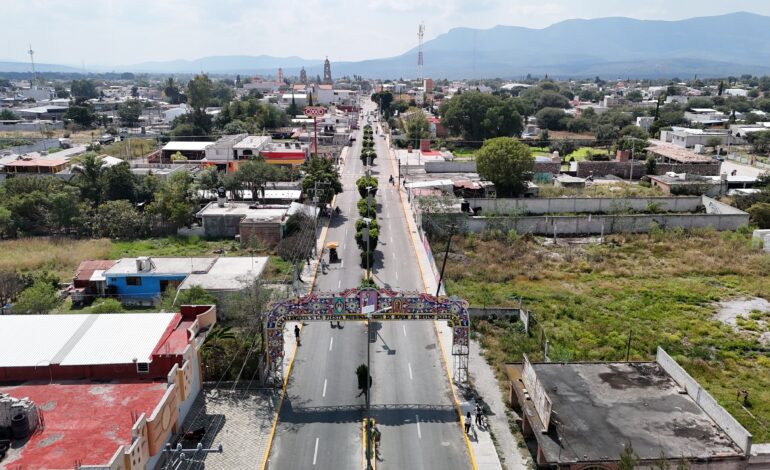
268 233
622 169
547 167
619 169
703 169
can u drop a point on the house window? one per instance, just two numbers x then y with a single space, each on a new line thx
143 367
134 281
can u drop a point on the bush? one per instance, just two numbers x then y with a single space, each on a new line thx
361 223
370 257
40 298
374 236
363 182
368 210
107 306
368 154
760 215
650 165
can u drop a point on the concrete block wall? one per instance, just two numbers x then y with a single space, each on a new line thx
763 237
603 224
619 169
725 420
586 205
470 167
623 169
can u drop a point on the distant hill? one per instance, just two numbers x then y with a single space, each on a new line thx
222 64
730 44
24 67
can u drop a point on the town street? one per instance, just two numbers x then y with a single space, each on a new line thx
320 421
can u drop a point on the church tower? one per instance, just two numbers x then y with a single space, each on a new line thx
327 72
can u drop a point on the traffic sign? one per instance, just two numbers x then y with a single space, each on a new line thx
315 111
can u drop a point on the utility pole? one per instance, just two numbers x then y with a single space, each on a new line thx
178 455
452 228
316 199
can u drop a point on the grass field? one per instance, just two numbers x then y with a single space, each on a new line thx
137 148
61 256
661 287
619 189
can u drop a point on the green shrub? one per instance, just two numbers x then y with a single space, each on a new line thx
107 306
368 210
367 181
760 215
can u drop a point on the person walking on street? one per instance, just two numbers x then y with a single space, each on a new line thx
468 424
296 333
479 415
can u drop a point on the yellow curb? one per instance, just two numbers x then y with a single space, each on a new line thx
280 404
363 443
324 232
454 398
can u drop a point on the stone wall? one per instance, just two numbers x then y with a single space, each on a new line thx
548 167
623 169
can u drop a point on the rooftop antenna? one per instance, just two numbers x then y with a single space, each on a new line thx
32 61
420 36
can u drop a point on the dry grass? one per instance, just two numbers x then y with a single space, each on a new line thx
618 189
58 255
662 287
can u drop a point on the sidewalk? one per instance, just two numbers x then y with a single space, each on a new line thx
482 377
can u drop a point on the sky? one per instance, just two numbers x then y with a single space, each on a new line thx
126 32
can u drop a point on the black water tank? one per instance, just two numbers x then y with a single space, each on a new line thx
20 426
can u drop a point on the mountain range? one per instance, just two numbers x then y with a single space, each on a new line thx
731 44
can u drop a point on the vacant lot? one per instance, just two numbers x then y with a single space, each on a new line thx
62 255
662 288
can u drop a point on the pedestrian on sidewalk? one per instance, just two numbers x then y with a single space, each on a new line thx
296 336
468 423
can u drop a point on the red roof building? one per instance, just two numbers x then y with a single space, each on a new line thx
110 390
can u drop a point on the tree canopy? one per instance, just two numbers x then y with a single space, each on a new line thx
480 116
507 163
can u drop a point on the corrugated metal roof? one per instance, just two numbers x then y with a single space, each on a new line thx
119 339
38 340
34 340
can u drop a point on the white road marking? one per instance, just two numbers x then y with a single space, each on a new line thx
324 392
331 342
342 265
339 284
404 327
396 275
315 452
419 433
409 364
394 255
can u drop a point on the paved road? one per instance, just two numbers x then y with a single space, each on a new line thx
411 399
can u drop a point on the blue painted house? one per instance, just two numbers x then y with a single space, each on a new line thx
142 281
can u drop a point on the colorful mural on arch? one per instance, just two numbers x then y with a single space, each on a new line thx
349 304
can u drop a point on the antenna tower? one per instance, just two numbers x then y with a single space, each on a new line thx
420 35
32 61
